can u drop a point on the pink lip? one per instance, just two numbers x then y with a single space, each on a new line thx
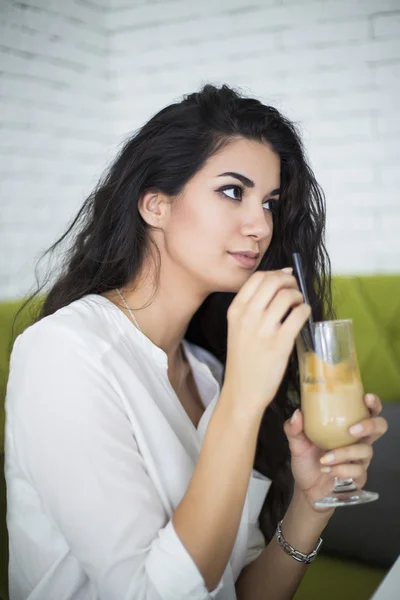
246 261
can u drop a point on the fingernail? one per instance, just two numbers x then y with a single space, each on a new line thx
328 458
287 270
356 429
294 416
326 469
371 398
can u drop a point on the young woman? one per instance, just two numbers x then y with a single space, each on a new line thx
148 406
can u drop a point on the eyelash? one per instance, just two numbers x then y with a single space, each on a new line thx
273 202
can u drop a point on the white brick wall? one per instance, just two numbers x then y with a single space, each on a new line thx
53 125
78 75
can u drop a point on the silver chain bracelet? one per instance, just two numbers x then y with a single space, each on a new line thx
296 554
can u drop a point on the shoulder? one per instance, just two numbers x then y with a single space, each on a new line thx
76 329
62 361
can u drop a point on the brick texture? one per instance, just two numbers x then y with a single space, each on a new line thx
78 76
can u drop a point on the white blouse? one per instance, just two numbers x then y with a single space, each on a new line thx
99 453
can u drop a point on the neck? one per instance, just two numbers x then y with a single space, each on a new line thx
163 317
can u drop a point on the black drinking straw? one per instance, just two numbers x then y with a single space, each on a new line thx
306 332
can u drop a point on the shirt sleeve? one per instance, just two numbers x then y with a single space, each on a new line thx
256 544
75 443
258 489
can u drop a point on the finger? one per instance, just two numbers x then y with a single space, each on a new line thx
269 288
373 403
293 324
371 429
353 470
294 430
294 426
279 306
365 463
347 454
256 281
247 290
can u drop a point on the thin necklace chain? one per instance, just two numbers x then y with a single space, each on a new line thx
133 318
129 311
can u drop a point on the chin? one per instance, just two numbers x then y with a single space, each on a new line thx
233 284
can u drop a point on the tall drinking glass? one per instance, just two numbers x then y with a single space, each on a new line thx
332 397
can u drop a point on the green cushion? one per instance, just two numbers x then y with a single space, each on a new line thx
334 579
9 329
373 302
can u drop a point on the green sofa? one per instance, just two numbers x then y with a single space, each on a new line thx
373 302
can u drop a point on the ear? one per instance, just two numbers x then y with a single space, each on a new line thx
154 208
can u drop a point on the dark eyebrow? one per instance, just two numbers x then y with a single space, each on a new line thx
246 181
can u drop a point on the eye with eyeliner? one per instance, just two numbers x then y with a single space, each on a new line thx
273 201
224 188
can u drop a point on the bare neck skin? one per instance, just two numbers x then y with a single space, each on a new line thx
167 317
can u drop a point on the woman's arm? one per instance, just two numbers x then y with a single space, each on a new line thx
259 346
208 516
274 574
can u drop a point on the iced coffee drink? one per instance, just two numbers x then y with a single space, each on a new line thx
332 399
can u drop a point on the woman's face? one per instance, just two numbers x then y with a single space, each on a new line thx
225 208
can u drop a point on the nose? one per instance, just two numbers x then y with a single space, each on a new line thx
257 222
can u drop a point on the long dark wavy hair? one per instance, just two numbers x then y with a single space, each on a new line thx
109 238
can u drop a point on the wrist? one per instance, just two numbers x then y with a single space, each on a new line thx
303 505
299 556
247 413
302 524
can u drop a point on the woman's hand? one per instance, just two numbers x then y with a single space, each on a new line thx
314 470
264 320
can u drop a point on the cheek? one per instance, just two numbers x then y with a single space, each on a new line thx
270 221
201 224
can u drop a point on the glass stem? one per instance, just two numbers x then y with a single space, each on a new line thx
344 485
